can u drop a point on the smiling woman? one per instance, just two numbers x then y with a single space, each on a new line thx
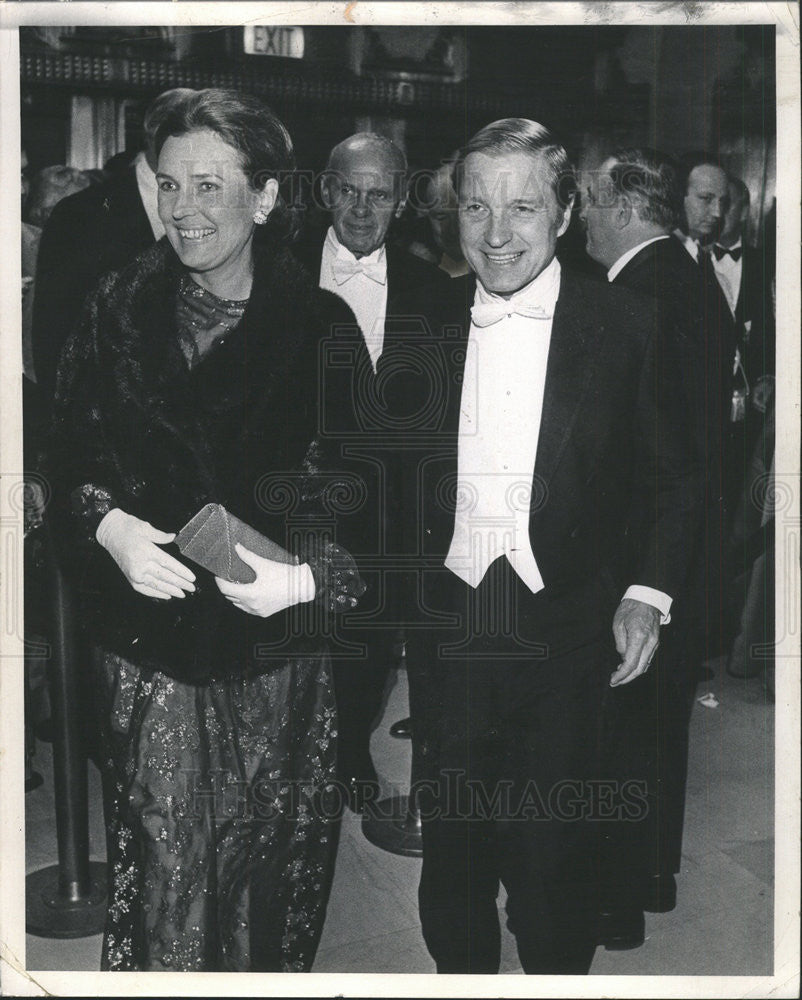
192 377
209 210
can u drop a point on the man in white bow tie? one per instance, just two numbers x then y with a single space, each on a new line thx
550 495
364 188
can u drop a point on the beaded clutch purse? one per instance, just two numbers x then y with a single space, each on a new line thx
209 539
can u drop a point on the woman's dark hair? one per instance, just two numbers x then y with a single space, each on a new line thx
246 123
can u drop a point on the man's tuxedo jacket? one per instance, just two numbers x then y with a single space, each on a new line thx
692 309
348 403
97 230
617 483
405 271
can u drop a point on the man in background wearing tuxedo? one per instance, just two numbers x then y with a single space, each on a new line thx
363 188
630 208
745 276
706 204
551 492
705 199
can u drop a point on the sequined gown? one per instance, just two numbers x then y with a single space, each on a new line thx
221 815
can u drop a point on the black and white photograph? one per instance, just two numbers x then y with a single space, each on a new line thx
399 496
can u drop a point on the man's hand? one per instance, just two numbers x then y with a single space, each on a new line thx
636 627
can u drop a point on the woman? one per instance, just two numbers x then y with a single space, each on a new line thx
192 379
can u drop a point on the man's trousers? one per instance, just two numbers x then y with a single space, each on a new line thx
506 706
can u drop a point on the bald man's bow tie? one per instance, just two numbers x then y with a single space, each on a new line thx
488 313
719 252
343 270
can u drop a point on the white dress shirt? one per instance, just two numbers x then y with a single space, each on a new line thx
500 413
625 258
149 193
729 272
362 284
499 427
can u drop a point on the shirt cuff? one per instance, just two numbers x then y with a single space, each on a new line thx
656 598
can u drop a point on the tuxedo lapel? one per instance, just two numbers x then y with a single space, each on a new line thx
456 354
452 330
395 258
569 369
568 372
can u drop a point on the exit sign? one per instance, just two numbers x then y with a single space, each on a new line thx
261 40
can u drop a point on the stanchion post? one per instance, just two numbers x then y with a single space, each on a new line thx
394 824
67 900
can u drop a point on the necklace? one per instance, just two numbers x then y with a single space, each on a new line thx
204 319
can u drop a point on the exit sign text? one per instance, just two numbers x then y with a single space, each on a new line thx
262 40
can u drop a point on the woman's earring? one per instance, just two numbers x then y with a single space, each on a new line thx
260 217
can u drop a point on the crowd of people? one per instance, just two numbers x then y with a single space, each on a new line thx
534 471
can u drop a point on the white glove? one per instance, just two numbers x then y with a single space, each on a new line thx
277 585
134 546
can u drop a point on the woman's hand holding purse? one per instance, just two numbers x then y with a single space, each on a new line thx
134 546
277 586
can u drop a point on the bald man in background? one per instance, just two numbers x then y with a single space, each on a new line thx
363 189
706 209
705 200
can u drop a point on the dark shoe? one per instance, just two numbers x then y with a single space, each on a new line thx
661 894
402 730
622 928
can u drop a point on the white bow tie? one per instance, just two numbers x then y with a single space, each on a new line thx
488 313
343 270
